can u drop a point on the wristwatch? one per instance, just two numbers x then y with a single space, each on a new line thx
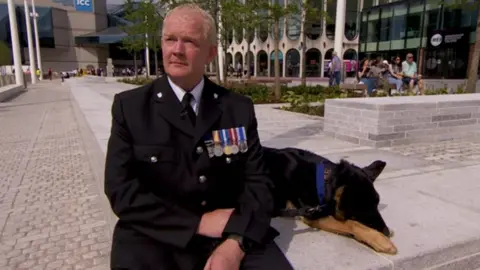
245 244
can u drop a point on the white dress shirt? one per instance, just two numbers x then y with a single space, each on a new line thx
196 93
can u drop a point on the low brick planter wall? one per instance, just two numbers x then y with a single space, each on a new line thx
389 121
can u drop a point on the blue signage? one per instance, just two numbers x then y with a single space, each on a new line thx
83 5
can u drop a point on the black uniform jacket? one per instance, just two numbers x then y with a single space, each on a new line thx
159 177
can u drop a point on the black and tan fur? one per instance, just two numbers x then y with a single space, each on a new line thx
352 201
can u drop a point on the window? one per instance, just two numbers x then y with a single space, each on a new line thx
351 19
385 24
332 14
313 28
44 22
414 24
294 22
368 3
398 26
373 27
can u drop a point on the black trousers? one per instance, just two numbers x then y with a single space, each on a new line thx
266 257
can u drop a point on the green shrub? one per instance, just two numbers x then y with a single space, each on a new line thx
136 81
306 109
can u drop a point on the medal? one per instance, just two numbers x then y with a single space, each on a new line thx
226 147
233 136
217 149
209 144
242 140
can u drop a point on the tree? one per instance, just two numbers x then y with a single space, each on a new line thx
228 22
153 19
473 71
251 20
133 42
276 13
144 28
311 14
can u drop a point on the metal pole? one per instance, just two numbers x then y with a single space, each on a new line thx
37 42
17 59
31 55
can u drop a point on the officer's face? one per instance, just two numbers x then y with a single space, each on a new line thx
185 47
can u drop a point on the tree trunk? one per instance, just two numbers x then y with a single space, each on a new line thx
135 65
225 66
217 64
156 63
276 30
247 59
303 49
473 71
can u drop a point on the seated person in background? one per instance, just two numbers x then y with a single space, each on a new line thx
364 76
410 76
393 73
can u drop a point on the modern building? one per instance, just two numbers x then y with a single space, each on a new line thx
441 37
59 23
319 43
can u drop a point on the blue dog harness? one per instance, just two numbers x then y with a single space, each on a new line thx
313 211
320 180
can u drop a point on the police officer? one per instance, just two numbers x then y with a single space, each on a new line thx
184 170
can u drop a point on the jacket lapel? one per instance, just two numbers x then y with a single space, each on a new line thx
209 109
169 107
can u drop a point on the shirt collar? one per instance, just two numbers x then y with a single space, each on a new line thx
196 91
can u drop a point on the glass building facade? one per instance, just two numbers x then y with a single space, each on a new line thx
44 23
412 26
45 30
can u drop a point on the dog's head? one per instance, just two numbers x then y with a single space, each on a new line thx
355 196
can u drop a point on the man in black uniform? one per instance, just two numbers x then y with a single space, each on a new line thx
184 170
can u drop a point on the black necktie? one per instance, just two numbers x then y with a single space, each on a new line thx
187 107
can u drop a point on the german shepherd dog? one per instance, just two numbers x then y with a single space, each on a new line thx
338 198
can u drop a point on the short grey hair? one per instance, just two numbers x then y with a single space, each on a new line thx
209 28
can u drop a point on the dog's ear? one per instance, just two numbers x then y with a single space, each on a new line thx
375 169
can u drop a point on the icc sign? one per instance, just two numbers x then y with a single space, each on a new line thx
83 5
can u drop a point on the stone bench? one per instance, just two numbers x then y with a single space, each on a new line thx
10 91
354 87
390 121
362 88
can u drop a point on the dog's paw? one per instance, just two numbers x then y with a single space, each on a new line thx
376 240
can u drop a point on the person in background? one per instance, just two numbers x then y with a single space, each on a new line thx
336 68
410 75
365 76
393 73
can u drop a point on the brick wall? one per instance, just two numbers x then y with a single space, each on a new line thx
388 121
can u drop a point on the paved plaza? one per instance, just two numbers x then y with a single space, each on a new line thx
54 214
50 213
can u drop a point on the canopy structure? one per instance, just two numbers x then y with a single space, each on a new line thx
107 36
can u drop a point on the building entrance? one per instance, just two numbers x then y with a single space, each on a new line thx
446 55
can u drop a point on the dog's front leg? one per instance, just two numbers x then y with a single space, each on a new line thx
330 224
378 241
360 232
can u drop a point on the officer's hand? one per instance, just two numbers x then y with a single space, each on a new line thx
213 223
227 256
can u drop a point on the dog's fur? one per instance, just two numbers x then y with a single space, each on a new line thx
353 205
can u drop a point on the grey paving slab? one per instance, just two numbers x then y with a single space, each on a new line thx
434 227
435 219
49 203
